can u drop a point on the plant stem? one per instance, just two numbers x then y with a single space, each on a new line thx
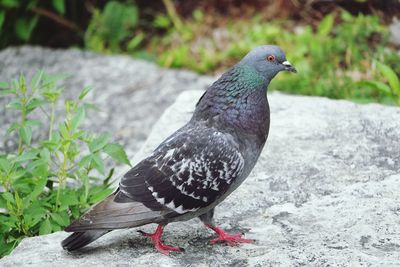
53 107
23 118
23 101
173 15
61 177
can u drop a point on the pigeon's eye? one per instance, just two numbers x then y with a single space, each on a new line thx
271 58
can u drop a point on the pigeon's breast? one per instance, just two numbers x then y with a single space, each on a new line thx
249 117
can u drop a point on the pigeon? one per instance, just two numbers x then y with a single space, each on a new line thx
199 165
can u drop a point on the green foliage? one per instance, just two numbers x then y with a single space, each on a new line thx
331 59
112 29
390 90
17 19
341 57
46 183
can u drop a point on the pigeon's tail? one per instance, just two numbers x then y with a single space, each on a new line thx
78 240
109 215
106 216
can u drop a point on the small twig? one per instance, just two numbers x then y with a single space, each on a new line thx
60 20
53 109
173 15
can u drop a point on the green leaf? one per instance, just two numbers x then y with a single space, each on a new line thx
14 126
78 118
384 88
135 41
325 27
98 143
85 161
59 5
162 21
10 3
14 104
84 92
2 18
85 181
26 134
7 92
98 163
198 15
52 79
106 181
100 195
26 156
36 212
24 27
7 247
45 154
45 227
79 135
38 188
390 76
31 3
118 20
60 218
68 199
346 16
18 201
3 204
34 103
116 152
5 165
10 222
63 130
8 197
55 227
91 106
37 78
15 175
52 145
65 217
39 168
33 122
4 85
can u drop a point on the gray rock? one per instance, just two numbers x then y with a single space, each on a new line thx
325 192
131 94
394 29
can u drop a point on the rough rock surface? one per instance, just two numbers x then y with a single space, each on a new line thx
131 94
394 29
325 192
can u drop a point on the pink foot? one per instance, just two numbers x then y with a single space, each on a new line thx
232 240
158 244
165 249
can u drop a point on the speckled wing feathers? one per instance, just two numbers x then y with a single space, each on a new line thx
189 171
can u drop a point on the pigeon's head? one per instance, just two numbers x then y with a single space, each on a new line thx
267 60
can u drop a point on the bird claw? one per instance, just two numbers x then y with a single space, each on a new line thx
158 244
232 240
143 233
165 249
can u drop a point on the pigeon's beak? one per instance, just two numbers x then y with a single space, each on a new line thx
288 66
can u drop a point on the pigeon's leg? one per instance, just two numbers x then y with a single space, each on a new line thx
158 244
232 240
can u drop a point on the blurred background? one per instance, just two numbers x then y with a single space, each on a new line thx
342 49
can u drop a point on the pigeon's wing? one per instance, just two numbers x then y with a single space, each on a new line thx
187 172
